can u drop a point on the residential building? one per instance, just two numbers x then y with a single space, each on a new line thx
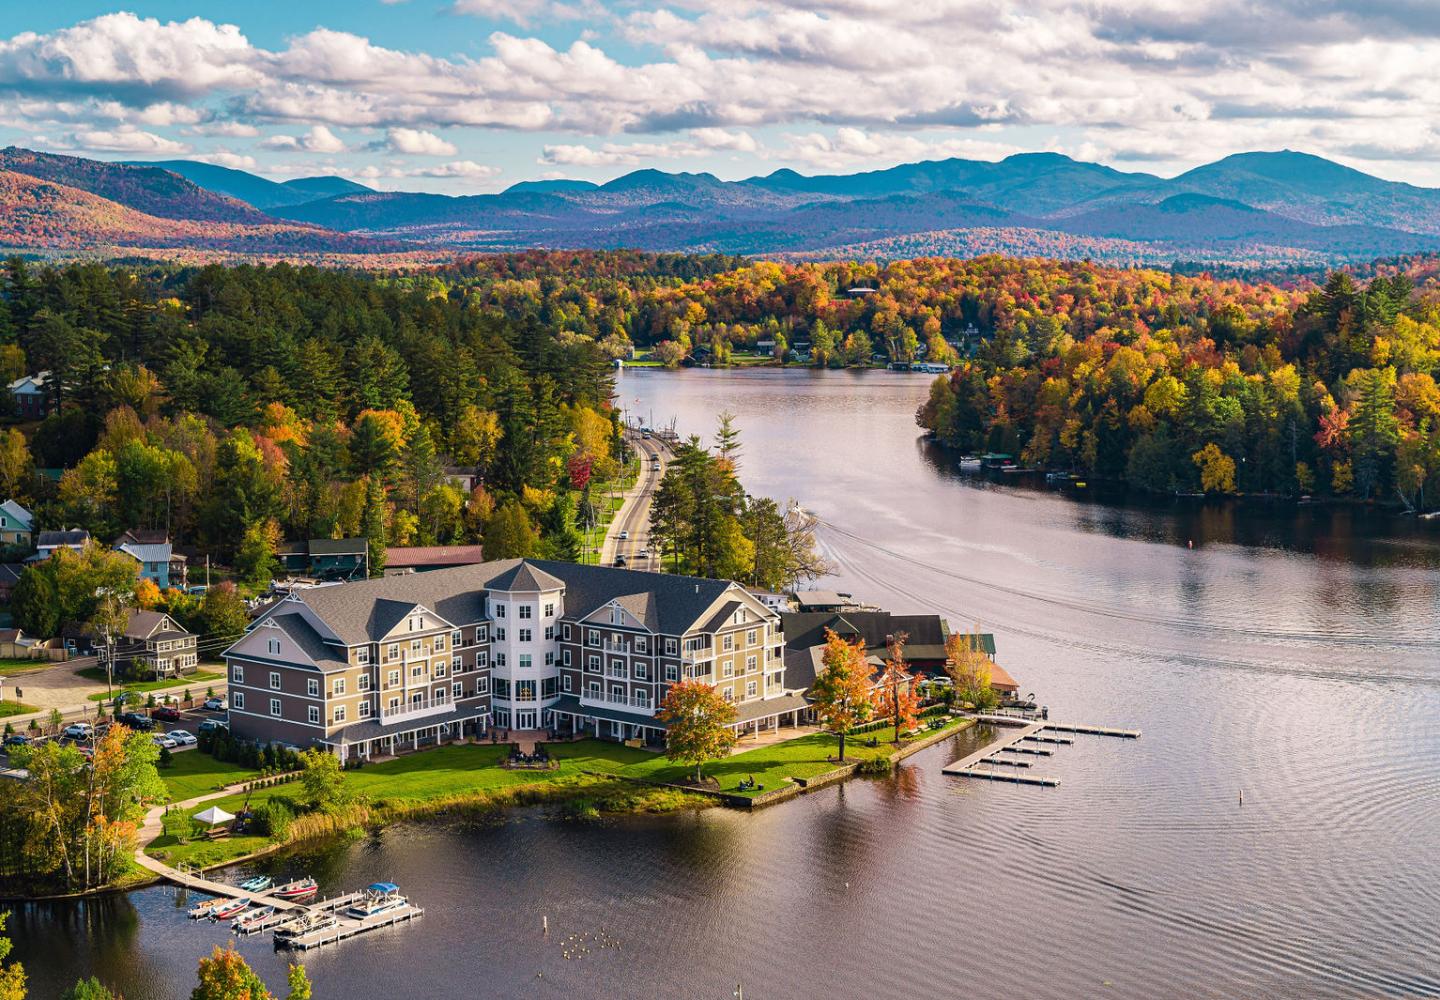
48 541
422 558
31 394
825 600
373 666
9 576
326 558
152 645
156 560
17 525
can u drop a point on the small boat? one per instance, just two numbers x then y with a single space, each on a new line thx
299 889
231 908
306 923
380 897
257 884
247 920
970 462
204 909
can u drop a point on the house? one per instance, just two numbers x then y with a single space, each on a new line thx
926 635
9 576
15 644
156 559
47 542
326 558
17 525
824 600
465 477
154 645
32 396
404 661
419 558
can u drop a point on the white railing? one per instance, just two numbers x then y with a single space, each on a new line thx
611 671
414 710
615 646
633 701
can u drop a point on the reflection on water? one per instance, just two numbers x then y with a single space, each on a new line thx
1290 654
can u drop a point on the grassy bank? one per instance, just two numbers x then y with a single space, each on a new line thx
196 683
11 666
193 773
443 780
9 708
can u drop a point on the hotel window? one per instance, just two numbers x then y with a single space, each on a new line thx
640 673
237 674
524 663
671 673
670 646
482 659
743 616
393 705
525 635
439 668
416 645
549 632
751 637
312 687
565 657
480 633
594 689
548 688
237 699
775 679
565 631
550 611
749 664
727 643
499 611
456 639
392 679
642 699
457 690
362 655
502 688
499 635
617 617
549 658
592 637
313 713
642 645
617 693
337 687
729 669
393 651
593 663
364 710
438 697
565 683
274 706
525 611
273 646
362 683
339 713
455 665
417 670
729 694
750 689
274 681
440 643
524 690
499 659
482 685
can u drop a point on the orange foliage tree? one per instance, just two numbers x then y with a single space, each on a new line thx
844 690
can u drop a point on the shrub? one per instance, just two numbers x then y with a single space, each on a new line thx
273 817
166 758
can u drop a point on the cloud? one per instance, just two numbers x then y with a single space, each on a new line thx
701 142
318 140
225 158
418 142
527 12
125 140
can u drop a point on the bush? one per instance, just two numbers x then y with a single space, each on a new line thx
166 758
273 817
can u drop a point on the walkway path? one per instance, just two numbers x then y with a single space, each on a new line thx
633 517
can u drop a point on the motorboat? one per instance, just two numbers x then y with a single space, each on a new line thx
380 897
257 884
250 918
231 908
204 909
298 889
306 923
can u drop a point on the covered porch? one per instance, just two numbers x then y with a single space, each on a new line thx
372 739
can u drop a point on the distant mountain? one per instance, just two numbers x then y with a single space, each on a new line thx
1265 209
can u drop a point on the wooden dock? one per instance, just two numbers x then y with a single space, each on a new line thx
1017 779
351 926
1032 751
1004 762
1024 732
1063 741
1066 727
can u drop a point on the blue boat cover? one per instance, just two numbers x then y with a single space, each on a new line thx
384 887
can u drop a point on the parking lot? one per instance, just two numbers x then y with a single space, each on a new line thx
189 720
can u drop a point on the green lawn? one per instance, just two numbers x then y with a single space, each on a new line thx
9 708
10 666
196 682
194 773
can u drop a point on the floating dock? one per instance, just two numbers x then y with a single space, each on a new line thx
351 926
1066 727
1004 762
1025 732
1063 741
1032 751
1018 779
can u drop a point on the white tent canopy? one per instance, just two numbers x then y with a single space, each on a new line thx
213 816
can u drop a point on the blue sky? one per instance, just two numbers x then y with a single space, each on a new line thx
468 96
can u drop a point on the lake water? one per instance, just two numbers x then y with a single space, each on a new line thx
1292 655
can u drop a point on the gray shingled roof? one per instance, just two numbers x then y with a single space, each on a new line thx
372 729
642 607
74 536
457 595
339 546
294 625
721 617
525 578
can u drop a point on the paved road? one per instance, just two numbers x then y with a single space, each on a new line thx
633 518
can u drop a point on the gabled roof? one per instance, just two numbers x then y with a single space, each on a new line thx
143 536
524 578
339 546
18 512
312 643
722 617
10 573
641 607
151 552
402 557
147 624
52 539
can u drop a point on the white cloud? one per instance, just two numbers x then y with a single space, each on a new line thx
226 158
701 142
318 140
418 142
125 140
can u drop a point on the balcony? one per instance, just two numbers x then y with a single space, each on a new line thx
406 711
632 703
614 671
615 646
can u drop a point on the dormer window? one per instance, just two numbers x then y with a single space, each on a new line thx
273 646
617 617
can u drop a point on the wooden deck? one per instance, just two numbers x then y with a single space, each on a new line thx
351 926
1020 740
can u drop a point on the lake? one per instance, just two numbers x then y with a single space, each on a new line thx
1289 654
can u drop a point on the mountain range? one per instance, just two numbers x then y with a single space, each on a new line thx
1261 208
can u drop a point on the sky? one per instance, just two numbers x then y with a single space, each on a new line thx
470 96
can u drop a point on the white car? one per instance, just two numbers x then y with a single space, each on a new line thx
215 705
181 737
624 536
643 554
161 740
78 731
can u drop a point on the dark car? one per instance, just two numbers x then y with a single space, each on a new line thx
212 725
136 721
166 713
619 560
17 740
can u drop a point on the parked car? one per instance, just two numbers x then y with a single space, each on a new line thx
17 740
78 731
182 737
136 721
215 705
166 713
163 740
213 725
